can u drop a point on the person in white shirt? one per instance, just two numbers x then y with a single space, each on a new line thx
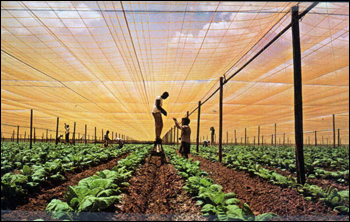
120 142
157 114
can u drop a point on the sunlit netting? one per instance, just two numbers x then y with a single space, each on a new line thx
103 63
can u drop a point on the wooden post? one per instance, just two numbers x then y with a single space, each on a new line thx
298 96
254 140
95 135
34 135
258 135
102 135
220 117
74 129
236 137
47 135
245 136
31 129
17 134
276 134
177 136
58 121
315 138
334 132
339 141
85 133
284 139
174 134
198 124
226 137
271 139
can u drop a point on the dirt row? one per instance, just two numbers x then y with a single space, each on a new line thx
263 196
39 202
156 193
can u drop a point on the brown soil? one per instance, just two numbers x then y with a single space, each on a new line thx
156 193
40 201
324 183
264 197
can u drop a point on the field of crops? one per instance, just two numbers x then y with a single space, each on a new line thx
253 184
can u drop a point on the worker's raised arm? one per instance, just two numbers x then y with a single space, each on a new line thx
177 124
159 107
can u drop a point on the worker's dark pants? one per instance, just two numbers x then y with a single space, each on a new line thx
185 149
67 137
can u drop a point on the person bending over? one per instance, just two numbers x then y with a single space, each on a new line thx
157 114
185 148
120 142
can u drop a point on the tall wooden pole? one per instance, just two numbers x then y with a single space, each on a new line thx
236 137
276 134
85 133
198 124
315 138
47 135
298 96
339 140
74 129
245 136
58 122
31 129
17 134
334 132
220 117
259 136
226 137
95 135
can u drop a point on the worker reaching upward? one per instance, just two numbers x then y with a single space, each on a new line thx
157 114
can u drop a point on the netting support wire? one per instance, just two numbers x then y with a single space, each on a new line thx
31 129
298 96
261 51
220 117
198 124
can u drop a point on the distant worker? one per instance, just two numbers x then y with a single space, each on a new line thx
120 142
212 129
66 127
157 114
59 138
185 148
205 143
106 138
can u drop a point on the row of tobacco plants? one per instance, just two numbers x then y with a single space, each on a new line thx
98 192
252 160
214 202
30 168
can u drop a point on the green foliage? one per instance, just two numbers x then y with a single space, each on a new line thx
209 195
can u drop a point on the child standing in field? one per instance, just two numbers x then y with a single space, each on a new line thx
185 148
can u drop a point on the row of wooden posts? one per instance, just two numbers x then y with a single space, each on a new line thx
298 94
172 137
34 139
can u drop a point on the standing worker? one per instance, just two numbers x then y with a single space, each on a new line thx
212 142
66 127
157 114
106 139
120 142
185 148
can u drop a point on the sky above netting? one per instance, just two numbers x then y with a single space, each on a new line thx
103 64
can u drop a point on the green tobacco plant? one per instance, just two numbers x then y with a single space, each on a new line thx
209 195
98 192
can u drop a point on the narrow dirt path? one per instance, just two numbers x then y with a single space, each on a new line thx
39 202
263 196
156 193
